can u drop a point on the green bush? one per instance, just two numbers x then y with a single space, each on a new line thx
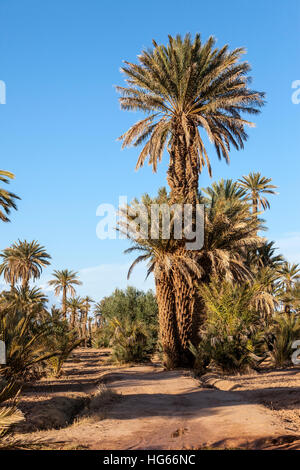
230 337
131 310
284 330
9 414
26 348
101 337
131 341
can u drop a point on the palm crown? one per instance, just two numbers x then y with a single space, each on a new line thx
7 199
185 87
23 261
64 281
257 186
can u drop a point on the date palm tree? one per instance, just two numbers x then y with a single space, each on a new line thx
24 261
188 89
64 281
230 231
265 256
7 199
24 299
290 274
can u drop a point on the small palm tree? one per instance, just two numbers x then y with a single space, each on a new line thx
24 261
64 281
24 299
188 88
265 256
257 186
289 278
290 274
7 199
226 189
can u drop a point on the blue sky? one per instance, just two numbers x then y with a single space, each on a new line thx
60 61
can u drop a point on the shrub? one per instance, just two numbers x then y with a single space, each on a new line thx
284 330
25 348
230 337
9 415
60 341
131 341
102 336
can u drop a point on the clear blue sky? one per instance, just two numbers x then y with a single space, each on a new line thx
60 61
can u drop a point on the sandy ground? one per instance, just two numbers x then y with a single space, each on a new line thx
149 408
278 390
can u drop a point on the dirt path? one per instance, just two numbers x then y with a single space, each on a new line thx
157 409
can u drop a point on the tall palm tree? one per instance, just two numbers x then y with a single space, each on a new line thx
24 261
230 231
64 281
188 87
257 186
7 199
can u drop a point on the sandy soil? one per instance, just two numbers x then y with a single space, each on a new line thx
149 408
278 390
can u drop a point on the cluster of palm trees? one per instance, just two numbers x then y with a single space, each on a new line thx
189 89
23 262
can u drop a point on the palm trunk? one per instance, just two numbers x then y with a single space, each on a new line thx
85 326
184 306
64 302
167 320
255 208
90 331
73 316
25 281
183 177
183 171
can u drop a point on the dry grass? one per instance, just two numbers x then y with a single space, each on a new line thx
95 409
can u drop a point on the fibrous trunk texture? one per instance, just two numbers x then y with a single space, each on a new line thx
167 319
183 172
64 302
184 307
